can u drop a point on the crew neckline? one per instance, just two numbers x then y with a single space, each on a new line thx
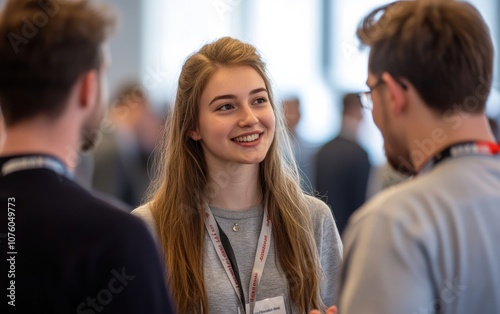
253 212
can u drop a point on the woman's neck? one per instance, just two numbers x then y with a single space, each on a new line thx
237 187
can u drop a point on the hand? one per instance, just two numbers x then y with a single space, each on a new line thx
331 310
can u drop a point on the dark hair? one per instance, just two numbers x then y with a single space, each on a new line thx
443 47
45 46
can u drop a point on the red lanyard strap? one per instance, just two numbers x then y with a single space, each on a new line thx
467 148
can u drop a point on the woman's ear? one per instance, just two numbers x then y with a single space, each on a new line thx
195 135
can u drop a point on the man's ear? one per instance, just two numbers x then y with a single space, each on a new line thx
88 91
195 135
397 93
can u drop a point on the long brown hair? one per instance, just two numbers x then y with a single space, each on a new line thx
179 193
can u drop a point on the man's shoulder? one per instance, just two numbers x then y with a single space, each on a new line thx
63 203
111 217
441 184
414 197
394 201
81 220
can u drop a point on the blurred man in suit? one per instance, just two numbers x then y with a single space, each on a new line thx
342 166
121 160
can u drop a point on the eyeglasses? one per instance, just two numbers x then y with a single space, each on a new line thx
366 97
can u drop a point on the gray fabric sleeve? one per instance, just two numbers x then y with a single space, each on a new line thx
329 247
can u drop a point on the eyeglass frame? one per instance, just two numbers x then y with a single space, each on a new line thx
365 98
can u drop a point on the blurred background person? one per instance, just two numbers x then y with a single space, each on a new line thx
302 150
342 166
121 160
323 41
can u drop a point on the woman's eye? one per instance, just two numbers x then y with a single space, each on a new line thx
260 100
225 107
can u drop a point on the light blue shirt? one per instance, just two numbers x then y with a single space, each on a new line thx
431 243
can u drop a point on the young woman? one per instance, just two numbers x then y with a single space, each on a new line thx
237 233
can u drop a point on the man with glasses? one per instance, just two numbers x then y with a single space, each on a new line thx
366 97
428 245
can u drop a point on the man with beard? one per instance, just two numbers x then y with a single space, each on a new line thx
62 249
428 245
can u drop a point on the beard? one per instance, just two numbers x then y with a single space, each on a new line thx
400 161
91 133
89 138
397 152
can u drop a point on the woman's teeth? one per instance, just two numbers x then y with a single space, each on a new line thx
248 138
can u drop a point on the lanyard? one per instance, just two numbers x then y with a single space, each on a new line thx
469 148
216 235
34 162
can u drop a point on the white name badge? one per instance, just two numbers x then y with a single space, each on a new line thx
268 306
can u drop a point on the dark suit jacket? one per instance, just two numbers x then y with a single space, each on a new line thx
121 174
75 252
342 171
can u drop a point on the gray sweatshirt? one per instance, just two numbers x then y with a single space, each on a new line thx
221 296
